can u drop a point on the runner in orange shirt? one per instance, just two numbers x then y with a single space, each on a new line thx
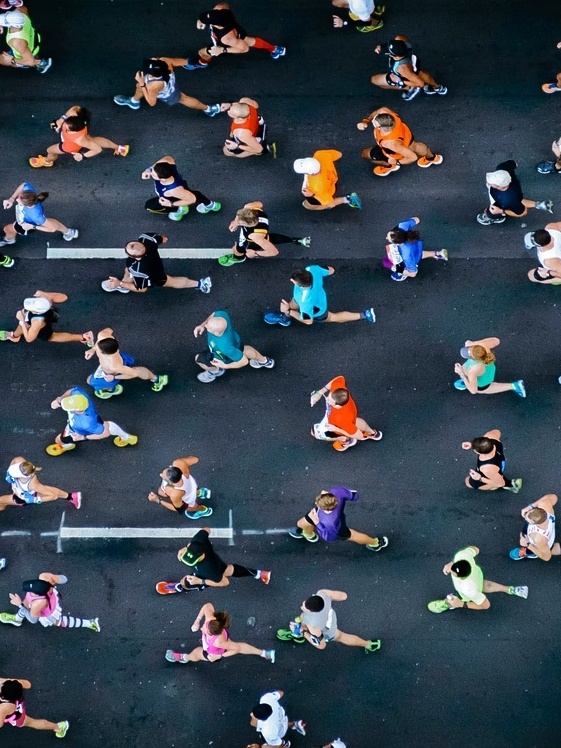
320 182
395 144
248 131
341 423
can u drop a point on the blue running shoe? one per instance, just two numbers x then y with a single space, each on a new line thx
354 200
459 384
517 554
370 315
277 318
519 387
195 65
278 52
398 277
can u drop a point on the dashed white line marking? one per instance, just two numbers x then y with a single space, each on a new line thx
106 253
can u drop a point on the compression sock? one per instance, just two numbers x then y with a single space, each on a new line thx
116 430
243 571
262 44
70 622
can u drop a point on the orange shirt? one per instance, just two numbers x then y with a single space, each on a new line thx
251 122
399 132
324 184
68 138
345 416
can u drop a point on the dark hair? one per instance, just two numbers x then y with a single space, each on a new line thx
483 445
163 169
11 690
341 396
220 622
262 711
30 198
37 587
462 568
196 548
314 604
174 474
302 278
155 67
399 236
108 345
541 237
384 120
78 121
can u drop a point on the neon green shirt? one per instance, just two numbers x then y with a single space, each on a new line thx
27 33
470 589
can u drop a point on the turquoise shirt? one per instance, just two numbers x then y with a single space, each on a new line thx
312 301
488 375
228 346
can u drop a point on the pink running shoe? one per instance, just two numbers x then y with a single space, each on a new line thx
76 499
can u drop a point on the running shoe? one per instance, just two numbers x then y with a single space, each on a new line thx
212 110
169 588
269 655
106 394
130 441
40 162
267 364
370 315
299 726
63 728
547 167
383 542
550 88
205 284
272 149
265 577
438 606
94 625
106 287
370 27
69 235
206 511
7 262
441 254
546 205
210 376
195 65
160 382
516 485
178 214
5 241
341 446
57 449
305 241
442 90
353 200
3 563
411 94
204 493
459 384
383 171
214 207
373 645
486 220
278 52
286 635
425 162
277 318
298 534
122 150
127 101
44 65
11 619
518 592
398 277
172 656
519 387
375 437
517 554
8 335
228 260
75 499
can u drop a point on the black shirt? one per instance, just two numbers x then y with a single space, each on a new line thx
147 270
211 567
511 198
498 458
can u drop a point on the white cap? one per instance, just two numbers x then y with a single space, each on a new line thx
307 166
13 18
338 743
15 471
499 178
529 241
37 304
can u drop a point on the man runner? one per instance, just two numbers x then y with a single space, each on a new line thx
320 182
491 464
180 491
364 15
174 197
23 41
537 540
405 72
547 243
506 197
270 720
248 131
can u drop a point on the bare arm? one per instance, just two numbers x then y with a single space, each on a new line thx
493 434
485 342
335 595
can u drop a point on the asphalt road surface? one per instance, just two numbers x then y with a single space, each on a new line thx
459 680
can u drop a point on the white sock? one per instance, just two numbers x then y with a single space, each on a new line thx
116 430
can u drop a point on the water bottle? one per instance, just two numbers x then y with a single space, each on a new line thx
296 626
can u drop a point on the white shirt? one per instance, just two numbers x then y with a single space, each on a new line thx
273 729
362 8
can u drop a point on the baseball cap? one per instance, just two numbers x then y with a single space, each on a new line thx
192 553
37 304
15 471
74 403
307 166
529 241
13 18
499 178
397 48
464 352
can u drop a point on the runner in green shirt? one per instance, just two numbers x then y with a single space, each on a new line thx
23 41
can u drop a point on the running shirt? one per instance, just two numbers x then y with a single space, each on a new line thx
211 567
254 122
498 458
488 375
324 184
345 416
470 590
411 252
330 523
168 93
28 34
224 18
511 198
68 138
178 181
209 639
550 254
312 301
274 728
20 484
399 132
362 8
34 214
85 423
147 270
228 346
188 486
546 532
262 227
325 619
49 318
17 717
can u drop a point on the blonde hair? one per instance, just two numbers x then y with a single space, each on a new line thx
480 353
326 501
248 216
28 468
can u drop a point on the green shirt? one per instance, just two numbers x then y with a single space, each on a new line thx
470 589
27 33
488 375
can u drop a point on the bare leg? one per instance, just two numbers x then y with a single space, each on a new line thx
252 352
66 337
10 232
528 203
306 528
428 253
196 655
51 225
350 640
192 103
363 426
6 501
497 387
428 79
362 538
380 81
105 143
241 648
343 316
142 373
40 724
179 281
421 149
334 204
365 154
50 493
213 369
53 152
489 586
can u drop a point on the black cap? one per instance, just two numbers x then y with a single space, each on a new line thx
397 48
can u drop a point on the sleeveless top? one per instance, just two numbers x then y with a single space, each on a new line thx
498 458
51 601
252 122
548 532
262 227
18 715
20 486
178 181
209 639
68 138
554 252
488 375
188 486
399 132
28 34
169 85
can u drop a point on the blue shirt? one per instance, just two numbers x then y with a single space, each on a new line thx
312 301
411 252
34 214
228 346
88 422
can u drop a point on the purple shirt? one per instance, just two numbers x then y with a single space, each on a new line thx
330 523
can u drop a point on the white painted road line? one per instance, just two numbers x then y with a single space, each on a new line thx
15 533
157 533
106 253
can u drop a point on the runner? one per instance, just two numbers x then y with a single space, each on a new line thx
84 424
209 570
364 15
114 367
227 37
27 489
248 131
471 586
270 721
489 474
477 374
320 182
552 167
75 139
144 269
327 521
550 88
36 320
309 301
341 424
173 194
41 604
395 145
547 243
225 349
505 196
180 491
319 624
215 639
405 71
30 216
156 82
13 710
405 250
254 240
537 540
23 41
335 743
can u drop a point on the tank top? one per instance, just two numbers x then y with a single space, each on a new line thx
51 601
169 86
555 252
178 181
399 132
488 375
209 639
498 458
20 486
69 137
28 34
17 715
252 122
188 486
548 532
262 227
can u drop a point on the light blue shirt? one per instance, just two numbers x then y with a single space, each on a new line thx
312 301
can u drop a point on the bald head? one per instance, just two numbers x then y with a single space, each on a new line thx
216 325
239 111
